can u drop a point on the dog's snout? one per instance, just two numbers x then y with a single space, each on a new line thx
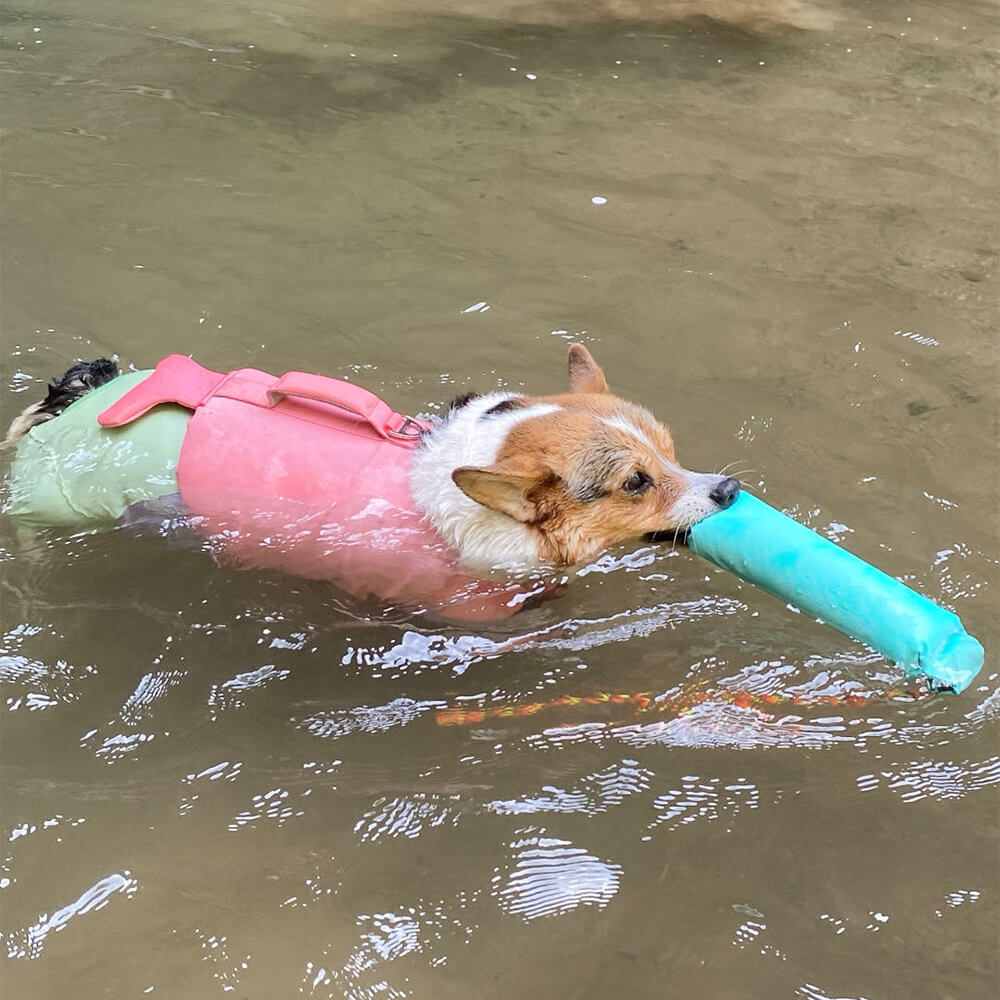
725 493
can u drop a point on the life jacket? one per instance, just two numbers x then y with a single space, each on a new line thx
310 475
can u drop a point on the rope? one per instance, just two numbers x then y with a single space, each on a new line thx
678 704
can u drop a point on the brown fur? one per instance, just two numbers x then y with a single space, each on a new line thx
565 473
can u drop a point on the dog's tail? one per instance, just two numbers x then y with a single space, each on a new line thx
77 382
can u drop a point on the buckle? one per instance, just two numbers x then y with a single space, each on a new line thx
408 430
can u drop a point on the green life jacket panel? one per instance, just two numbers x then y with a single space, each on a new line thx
73 472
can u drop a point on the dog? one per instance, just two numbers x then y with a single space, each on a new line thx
503 486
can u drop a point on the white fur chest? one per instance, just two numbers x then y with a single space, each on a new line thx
484 538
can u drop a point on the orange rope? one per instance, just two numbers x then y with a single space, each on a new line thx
644 701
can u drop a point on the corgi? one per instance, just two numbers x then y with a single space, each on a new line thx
502 482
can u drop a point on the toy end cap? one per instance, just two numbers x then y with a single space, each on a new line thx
954 664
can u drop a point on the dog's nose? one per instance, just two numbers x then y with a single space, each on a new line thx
725 493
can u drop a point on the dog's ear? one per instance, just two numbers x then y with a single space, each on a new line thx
585 373
500 490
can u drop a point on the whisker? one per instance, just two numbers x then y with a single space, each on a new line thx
728 465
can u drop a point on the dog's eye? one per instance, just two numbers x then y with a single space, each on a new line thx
637 483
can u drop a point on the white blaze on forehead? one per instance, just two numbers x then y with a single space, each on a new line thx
470 437
630 427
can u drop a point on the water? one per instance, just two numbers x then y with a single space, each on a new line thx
221 782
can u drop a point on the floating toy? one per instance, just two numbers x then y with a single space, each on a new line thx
796 565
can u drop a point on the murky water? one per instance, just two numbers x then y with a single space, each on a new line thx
221 782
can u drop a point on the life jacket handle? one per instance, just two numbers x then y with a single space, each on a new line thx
347 396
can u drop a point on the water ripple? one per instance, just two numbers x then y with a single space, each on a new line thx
706 725
416 652
812 992
935 779
44 685
595 793
407 816
149 690
699 798
229 694
419 929
271 805
225 970
28 942
961 897
369 719
550 876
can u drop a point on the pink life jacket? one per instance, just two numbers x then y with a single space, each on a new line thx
310 475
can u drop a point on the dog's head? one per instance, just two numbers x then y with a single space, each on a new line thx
573 474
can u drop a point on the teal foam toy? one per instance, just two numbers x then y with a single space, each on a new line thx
792 562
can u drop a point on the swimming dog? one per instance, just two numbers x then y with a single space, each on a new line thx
503 481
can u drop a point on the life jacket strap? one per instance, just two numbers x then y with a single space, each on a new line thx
178 379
